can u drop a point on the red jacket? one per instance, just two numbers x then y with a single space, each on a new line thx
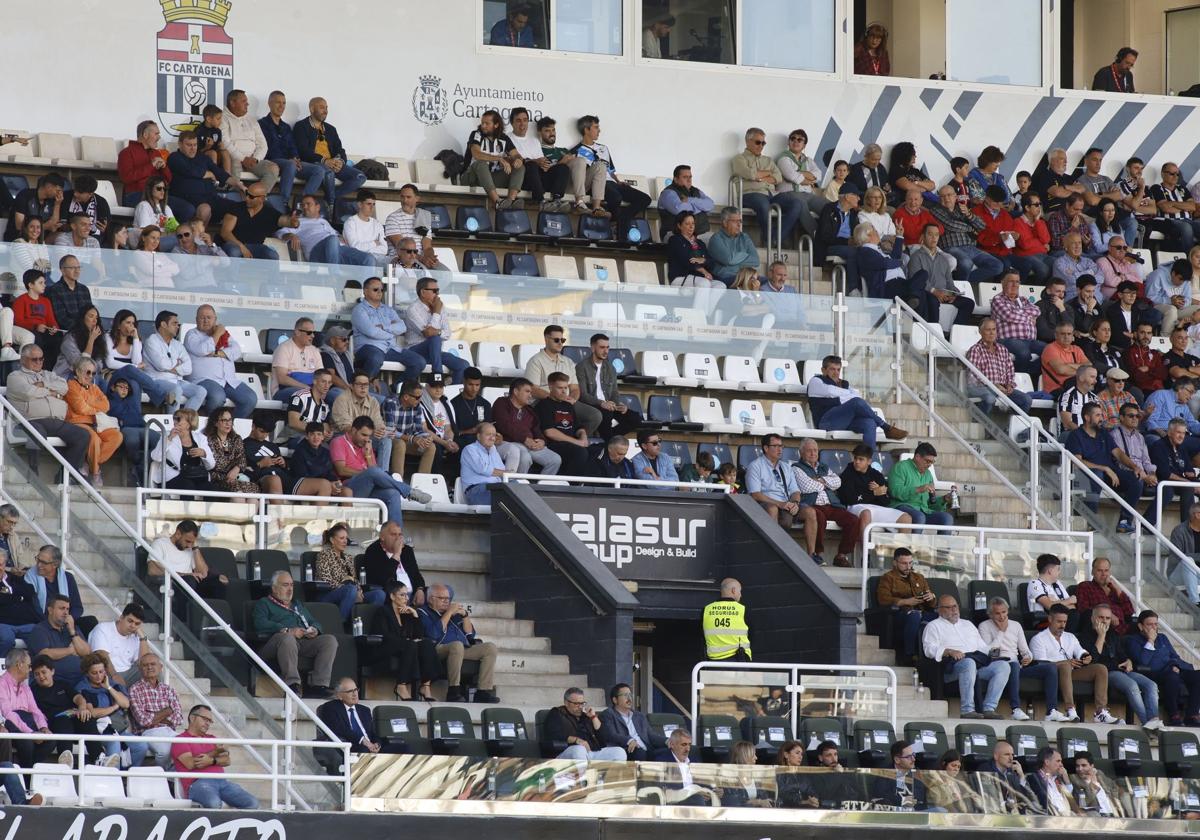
914 226
28 313
989 238
135 165
1149 380
1035 239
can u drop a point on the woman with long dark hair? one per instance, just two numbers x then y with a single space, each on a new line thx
405 643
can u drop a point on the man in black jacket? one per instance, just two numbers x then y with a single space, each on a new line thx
389 558
18 610
576 723
604 396
864 490
1005 766
612 462
835 227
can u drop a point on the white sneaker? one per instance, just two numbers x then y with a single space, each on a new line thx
110 760
66 759
1019 714
1072 716
1153 724
9 354
1103 716
1055 716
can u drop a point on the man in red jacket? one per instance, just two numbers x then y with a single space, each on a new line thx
913 217
1000 234
141 159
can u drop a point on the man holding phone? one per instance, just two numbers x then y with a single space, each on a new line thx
939 269
576 723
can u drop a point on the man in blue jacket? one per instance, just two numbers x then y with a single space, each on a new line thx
199 180
448 623
317 142
282 151
1153 653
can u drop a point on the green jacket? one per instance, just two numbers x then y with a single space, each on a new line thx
903 481
270 618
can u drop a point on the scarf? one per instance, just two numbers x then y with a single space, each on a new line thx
39 585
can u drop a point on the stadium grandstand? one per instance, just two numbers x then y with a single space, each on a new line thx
463 430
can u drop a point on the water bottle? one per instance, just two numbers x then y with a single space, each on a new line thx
980 601
358 627
916 679
256 571
308 571
1081 797
954 504
1029 711
491 731
362 576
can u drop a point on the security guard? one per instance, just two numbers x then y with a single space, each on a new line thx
726 633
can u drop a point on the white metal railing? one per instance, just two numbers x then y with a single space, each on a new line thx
279 769
293 704
795 686
616 483
1158 514
981 548
1040 440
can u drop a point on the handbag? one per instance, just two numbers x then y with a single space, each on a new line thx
104 422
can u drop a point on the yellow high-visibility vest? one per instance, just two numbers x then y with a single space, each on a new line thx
725 629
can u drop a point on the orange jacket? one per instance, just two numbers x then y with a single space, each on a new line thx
83 404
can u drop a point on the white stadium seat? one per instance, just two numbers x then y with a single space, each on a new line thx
792 419
559 267
100 785
55 788
962 337
741 371
493 394
460 349
495 359
781 375
641 272
525 352
649 312
601 269
983 303
708 411
662 365
399 170
150 786
608 311
101 151
702 367
750 416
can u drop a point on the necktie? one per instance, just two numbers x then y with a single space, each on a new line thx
355 726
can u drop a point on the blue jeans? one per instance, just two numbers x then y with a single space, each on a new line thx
210 793
137 751
431 350
12 785
332 252
1047 672
370 360
987 398
477 494
966 671
258 252
156 390
1027 355
975 265
1035 269
940 517
854 415
187 394
1185 230
374 483
350 177
312 173
910 627
1141 693
346 595
244 398
383 451
9 633
1183 575
795 212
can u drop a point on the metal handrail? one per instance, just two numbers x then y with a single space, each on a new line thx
1038 437
79 766
292 700
537 478
794 671
152 423
980 550
804 249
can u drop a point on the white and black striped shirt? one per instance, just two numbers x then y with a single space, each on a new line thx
309 409
1073 400
1159 192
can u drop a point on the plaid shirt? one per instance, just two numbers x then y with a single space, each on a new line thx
68 304
1111 404
996 364
1015 318
959 227
145 701
406 421
1060 226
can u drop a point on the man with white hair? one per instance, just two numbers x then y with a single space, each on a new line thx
1054 182
213 351
38 395
819 503
292 635
154 707
246 142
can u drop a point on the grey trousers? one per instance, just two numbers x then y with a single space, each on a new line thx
479 174
291 652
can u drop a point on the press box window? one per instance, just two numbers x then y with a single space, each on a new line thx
582 26
689 30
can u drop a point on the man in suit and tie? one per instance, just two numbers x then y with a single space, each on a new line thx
350 722
621 726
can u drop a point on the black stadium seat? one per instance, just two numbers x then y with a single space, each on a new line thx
625 364
480 262
553 225
721 452
440 216
521 265
669 411
596 230
513 222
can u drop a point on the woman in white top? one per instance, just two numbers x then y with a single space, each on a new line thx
874 210
183 459
29 249
124 359
154 210
151 267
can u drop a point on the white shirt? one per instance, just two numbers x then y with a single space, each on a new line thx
961 635
418 316
599 388
166 361
365 235
200 347
401 575
651 46
530 146
1046 648
1011 640
882 222
122 650
243 137
1055 795
1038 587
164 553
685 769
818 387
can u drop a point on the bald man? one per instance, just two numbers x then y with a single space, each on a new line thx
214 350
317 142
726 631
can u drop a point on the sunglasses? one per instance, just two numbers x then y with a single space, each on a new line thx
559 340
758 142
652 443
409 251
307 332
185 235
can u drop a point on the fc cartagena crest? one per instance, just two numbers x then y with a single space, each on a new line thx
195 61
429 101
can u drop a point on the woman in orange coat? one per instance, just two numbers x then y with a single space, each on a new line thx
85 400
